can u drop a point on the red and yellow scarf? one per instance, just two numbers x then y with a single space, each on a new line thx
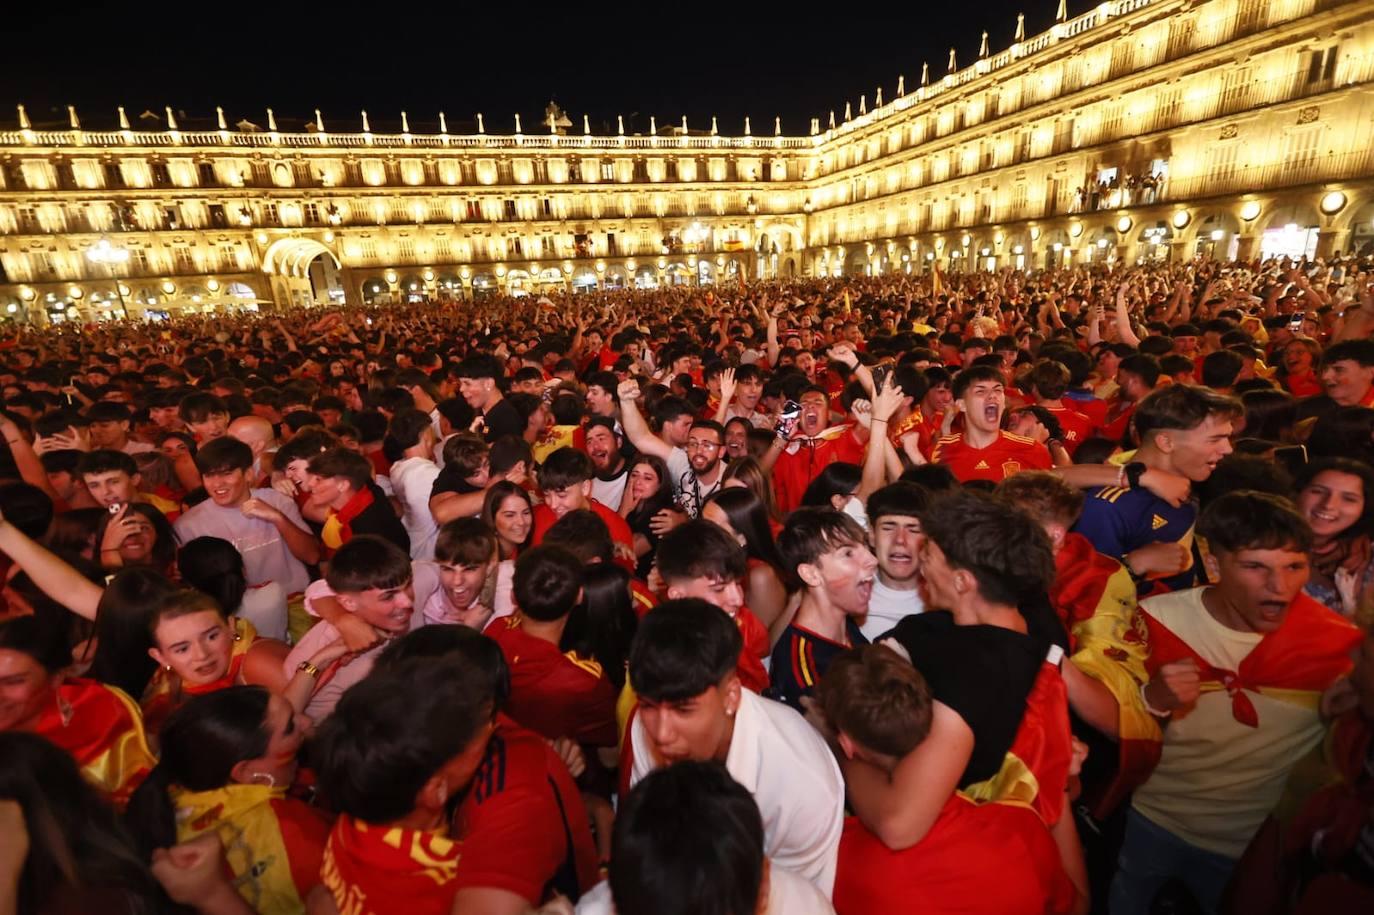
338 528
369 869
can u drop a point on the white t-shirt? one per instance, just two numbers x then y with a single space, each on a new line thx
266 556
412 479
1217 779
265 607
887 607
788 894
784 763
610 492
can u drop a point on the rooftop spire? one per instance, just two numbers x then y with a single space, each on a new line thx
24 122
1020 26
72 118
271 119
405 123
925 73
367 128
983 48
123 119
219 117
171 118
901 86
952 64
1062 14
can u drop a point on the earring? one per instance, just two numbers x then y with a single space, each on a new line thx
168 668
271 779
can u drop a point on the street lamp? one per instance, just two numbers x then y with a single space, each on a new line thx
102 252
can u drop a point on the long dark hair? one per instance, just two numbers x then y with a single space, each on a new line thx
837 479
214 566
749 518
201 742
75 838
165 544
662 497
603 625
492 503
122 621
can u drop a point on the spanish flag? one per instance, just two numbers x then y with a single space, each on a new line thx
379 870
166 692
273 844
1296 663
1035 772
103 731
1095 599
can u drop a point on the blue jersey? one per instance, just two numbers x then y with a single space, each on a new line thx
800 660
1117 520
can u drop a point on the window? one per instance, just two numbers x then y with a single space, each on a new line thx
312 214
517 246
269 214
474 210
113 176
139 258
228 260
610 245
217 219
171 217
207 175
1321 65
546 246
161 177
548 207
607 171
510 209
183 261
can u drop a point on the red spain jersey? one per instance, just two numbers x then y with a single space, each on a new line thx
948 870
555 694
1077 427
544 518
523 825
1008 455
369 869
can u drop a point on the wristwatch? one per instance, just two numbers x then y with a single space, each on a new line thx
308 668
1134 470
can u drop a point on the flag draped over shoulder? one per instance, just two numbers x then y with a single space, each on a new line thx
1294 664
1035 772
275 862
103 731
1095 598
369 869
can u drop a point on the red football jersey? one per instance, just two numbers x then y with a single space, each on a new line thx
522 823
948 870
1077 427
552 693
1008 455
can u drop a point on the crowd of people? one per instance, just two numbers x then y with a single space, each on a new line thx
1011 592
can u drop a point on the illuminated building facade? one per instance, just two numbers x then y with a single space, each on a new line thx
1143 130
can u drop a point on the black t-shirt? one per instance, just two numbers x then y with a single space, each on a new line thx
380 518
450 479
984 673
503 419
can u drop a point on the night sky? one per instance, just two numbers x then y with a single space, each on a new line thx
602 59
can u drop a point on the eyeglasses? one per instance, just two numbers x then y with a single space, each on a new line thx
697 444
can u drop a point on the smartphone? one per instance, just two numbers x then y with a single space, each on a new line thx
1295 323
787 419
880 375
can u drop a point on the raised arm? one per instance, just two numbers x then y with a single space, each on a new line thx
50 573
636 428
25 458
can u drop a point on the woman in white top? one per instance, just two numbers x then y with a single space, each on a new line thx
411 435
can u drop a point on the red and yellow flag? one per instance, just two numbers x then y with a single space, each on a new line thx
103 731
273 844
